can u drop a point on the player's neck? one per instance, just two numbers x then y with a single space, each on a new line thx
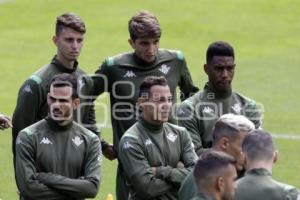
66 63
151 124
210 192
260 164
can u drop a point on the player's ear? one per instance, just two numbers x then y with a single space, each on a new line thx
205 67
245 160
131 42
140 101
76 103
55 39
220 184
275 156
48 98
224 143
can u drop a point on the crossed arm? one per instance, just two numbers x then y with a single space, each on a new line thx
149 181
40 185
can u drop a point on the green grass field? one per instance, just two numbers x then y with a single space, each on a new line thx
265 34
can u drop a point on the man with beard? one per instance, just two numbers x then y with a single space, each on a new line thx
155 154
56 158
215 175
199 113
228 135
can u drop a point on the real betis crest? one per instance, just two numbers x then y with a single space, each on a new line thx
164 68
172 137
77 141
237 108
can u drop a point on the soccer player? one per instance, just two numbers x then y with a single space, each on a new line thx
56 158
5 122
228 135
199 113
260 155
123 74
155 154
32 98
215 174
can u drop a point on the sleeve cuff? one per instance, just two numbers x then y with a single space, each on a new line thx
163 172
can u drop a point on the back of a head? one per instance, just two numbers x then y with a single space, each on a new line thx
230 126
65 80
258 146
144 25
69 20
210 166
219 48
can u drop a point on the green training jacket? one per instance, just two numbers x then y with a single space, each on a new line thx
54 162
122 76
144 146
201 196
199 113
258 184
32 99
188 188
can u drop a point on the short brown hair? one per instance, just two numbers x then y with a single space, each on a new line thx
209 165
150 81
65 80
258 145
144 25
69 20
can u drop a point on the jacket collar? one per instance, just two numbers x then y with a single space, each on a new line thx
217 95
62 68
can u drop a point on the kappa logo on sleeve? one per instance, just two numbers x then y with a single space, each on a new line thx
127 145
80 84
19 141
192 144
27 89
180 111
148 142
99 159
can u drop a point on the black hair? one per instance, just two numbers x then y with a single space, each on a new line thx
219 48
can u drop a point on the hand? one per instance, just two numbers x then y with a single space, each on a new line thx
5 122
40 176
109 152
153 170
180 164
